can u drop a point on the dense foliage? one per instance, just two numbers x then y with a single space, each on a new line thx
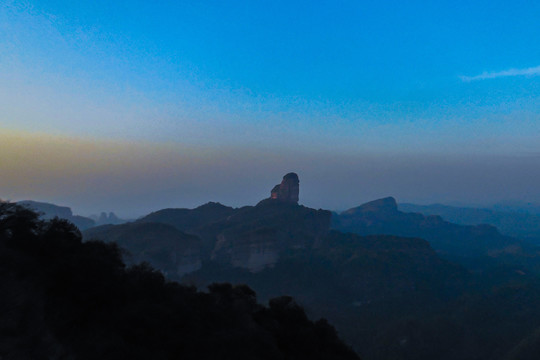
65 299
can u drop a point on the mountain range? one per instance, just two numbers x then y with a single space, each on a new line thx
396 285
522 224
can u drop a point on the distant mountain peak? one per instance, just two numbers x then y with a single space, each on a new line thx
384 205
212 205
289 189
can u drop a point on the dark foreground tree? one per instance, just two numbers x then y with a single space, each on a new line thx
65 299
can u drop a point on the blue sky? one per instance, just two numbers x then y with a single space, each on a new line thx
338 78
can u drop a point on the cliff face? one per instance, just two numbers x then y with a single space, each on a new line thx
256 237
254 250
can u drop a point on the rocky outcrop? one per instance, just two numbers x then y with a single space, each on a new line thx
288 190
106 219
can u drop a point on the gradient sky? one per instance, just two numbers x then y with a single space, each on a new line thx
136 105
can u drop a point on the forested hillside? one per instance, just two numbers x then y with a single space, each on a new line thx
65 299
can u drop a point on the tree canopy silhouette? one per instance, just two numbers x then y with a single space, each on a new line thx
67 299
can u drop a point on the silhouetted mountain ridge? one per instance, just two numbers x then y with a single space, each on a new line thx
190 219
386 205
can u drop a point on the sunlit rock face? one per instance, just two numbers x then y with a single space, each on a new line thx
274 194
288 190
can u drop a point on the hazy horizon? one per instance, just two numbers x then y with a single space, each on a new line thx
133 179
